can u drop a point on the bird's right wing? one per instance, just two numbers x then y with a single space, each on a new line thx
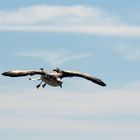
64 73
19 73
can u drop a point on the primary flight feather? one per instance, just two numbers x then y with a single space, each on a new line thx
52 78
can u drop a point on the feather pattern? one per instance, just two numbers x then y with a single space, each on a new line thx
63 74
18 73
53 78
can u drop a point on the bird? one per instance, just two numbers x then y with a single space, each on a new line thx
53 78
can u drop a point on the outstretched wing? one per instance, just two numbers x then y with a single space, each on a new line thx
64 74
18 73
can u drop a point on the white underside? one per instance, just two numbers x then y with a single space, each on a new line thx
50 81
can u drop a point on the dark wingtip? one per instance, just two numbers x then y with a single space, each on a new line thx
103 84
4 73
7 74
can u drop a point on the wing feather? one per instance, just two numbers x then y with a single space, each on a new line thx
82 75
19 73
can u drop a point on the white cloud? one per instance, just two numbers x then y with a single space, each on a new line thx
130 31
56 58
56 15
128 51
96 101
61 125
77 19
53 109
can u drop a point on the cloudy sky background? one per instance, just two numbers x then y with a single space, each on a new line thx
97 37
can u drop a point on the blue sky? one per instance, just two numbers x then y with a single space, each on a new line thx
97 37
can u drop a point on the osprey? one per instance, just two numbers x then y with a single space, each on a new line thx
52 78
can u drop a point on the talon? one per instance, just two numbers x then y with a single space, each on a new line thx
37 86
43 85
61 84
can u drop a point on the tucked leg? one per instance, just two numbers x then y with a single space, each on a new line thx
43 85
60 83
39 84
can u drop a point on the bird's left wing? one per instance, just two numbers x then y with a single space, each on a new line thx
18 73
64 73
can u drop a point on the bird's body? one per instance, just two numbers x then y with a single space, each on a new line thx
52 78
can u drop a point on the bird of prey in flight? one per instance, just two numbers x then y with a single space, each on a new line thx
52 78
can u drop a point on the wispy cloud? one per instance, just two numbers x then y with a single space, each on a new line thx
56 18
54 57
128 51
